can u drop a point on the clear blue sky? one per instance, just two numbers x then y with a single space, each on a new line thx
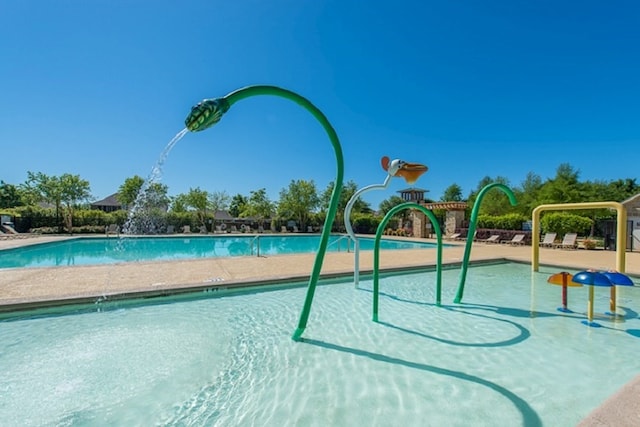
471 89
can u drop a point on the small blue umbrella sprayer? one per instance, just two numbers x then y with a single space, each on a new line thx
592 279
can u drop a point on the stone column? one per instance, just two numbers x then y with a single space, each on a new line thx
419 221
453 220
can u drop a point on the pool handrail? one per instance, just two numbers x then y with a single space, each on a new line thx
255 239
340 239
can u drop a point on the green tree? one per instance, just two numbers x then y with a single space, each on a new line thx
452 193
564 222
348 190
74 191
199 200
258 206
10 195
134 194
622 189
527 194
564 188
179 203
219 201
129 190
298 201
65 192
494 202
237 205
390 203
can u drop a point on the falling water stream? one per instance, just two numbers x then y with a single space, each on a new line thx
140 220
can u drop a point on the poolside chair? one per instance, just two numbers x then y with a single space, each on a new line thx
309 229
494 238
234 229
454 236
112 229
295 229
548 240
569 241
203 229
170 229
283 229
464 236
12 234
186 229
518 239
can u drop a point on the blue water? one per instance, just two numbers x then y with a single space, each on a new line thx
86 251
504 357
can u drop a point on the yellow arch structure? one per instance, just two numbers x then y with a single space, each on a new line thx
621 231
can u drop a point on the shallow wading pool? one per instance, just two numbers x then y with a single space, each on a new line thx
504 357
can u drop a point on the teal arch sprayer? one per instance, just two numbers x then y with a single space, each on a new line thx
472 229
209 112
376 253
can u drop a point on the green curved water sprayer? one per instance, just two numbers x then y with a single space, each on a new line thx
472 229
376 251
209 112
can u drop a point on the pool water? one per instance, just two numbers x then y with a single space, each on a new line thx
505 357
84 251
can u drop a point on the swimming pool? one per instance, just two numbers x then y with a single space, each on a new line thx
91 250
506 357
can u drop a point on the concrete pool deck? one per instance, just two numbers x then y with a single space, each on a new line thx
29 287
24 288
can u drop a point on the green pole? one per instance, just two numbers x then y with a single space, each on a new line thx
376 251
208 112
472 230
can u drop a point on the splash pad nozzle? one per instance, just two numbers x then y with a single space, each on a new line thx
206 113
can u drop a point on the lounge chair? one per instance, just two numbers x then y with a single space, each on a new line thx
464 237
309 229
10 233
548 240
203 229
295 229
494 238
454 236
234 229
283 229
112 229
569 241
518 239
186 229
170 229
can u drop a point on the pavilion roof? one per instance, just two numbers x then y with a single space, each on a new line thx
450 206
